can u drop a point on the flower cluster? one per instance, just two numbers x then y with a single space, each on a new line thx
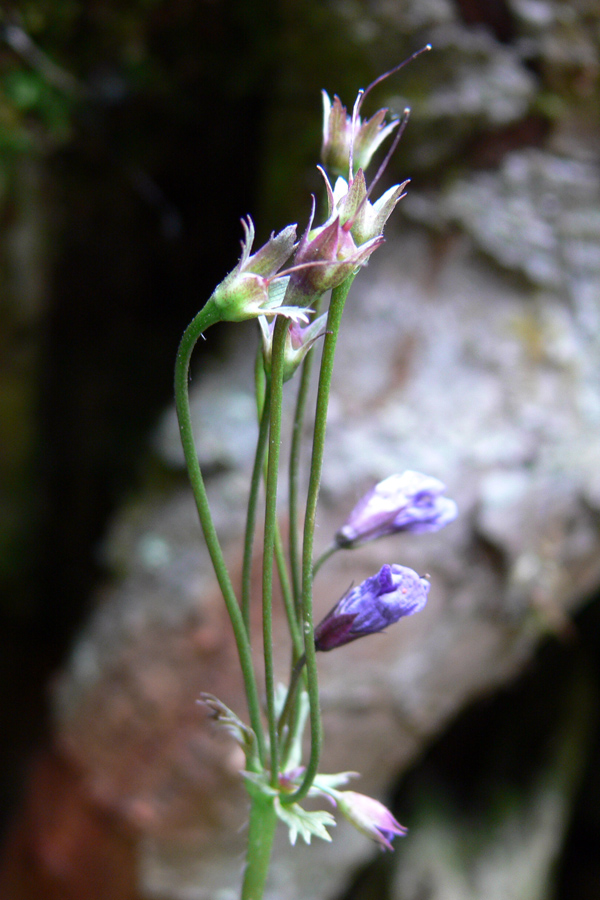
328 254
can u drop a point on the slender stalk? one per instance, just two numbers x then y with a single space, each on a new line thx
261 832
259 458
260 382
325 555
294 473
288 599
276 397
336 308
294 480
293 686
205 318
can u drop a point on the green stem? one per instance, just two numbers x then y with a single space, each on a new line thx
336 308
259 459
325 555
288 600
293 686
206 317
261 833
294 474
276 397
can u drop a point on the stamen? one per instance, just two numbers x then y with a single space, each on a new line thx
392 71
391 151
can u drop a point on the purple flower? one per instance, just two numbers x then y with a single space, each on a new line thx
381 600
407 502
370 817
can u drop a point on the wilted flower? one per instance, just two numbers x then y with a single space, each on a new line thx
370 817
381 600
407 502
341 133
299 340
252 288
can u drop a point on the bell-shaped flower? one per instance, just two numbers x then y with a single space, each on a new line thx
409 501
299 340
325 257
253 288
364 220
379 601
345 135
369 816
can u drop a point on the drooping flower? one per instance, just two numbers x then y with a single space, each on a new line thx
409 501
253 288
299 340
369 816
396 591
342 132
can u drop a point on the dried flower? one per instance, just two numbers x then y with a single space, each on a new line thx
370 817
252 289
407 502
298 342
341 135
379 601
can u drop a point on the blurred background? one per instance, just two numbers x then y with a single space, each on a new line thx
133 137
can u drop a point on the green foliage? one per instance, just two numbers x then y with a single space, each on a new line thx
29 104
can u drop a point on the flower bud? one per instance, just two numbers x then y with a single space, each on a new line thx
369 816
363 219
381 600
325 257
298 342
407 502
252 288
340 134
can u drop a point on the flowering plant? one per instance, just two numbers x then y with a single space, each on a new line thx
283 284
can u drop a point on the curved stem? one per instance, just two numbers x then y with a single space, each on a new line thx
336 308
325 555
205 318
276 396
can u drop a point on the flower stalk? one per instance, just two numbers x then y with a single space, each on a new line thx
334 318
287 304
205 318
